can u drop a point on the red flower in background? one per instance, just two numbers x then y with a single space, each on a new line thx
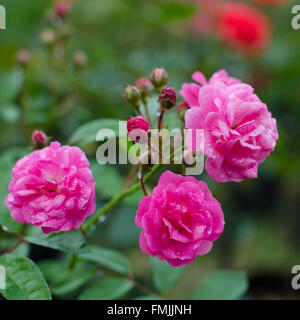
243 27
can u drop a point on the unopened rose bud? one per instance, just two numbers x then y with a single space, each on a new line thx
139 124
182 109
159 78
39 139
133 96
62 8
146 87
48 36
167 98
80 58
23 57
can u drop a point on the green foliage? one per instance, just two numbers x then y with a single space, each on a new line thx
125 40
7 161
108 180
222 285
110 259
69 279
88 132
174 11
22 250
12 82
70 242
24 281
165 277
107 289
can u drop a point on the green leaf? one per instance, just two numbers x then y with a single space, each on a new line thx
107 289
70 242
87 133
12 82
108 181
24 280
22 250
67 280
10 113
222 285
164 276
107 258
7 161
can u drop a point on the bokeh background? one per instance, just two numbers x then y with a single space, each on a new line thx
69 73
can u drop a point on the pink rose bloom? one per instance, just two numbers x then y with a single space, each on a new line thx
52 188
239 131
180 220
190 91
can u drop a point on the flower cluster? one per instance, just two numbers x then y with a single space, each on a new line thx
53 188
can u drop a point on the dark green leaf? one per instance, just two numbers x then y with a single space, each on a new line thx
24 281
107 289
87 133
67 280
22 250
222 285
70 242
165 277
109 259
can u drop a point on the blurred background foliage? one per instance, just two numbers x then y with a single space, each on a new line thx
102 46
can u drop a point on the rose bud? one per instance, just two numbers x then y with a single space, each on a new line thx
61 9
145 86
23 57
159 78
137 125
39 139
167 98
133 96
